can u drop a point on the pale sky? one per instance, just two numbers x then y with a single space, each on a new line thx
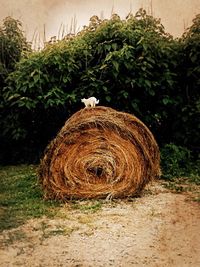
34 14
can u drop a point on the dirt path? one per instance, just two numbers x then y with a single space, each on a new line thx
158 229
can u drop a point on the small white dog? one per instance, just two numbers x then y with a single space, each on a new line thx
90 102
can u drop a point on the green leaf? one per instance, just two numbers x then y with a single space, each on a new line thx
109 56
108 98
116 65
66 79
36 78
105 89
13 97
108 47
140 41
103 66
152 92
114 46
33 73
165 101
135 106
148 83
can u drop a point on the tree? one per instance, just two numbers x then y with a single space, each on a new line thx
13 46
189 72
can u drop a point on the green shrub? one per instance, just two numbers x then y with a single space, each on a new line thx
177 161
188 116
13 46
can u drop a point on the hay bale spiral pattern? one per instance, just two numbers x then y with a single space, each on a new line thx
99 152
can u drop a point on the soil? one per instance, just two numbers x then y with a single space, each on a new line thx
158 229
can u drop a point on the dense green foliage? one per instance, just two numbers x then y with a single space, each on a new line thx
178 161
13 46
131 65
189 72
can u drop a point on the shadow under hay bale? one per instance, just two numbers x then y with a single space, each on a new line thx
99 152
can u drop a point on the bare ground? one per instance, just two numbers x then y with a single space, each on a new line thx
158 229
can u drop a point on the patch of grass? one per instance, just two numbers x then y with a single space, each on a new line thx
21 197
187 185
154 213
66 231
14 236
197 198
86 219
174 187
88 206
48 232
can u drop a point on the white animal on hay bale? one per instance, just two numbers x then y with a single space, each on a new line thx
90 102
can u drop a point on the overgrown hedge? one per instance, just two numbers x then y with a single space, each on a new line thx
131 65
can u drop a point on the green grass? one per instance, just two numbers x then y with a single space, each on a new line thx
187 185
89 206
21 197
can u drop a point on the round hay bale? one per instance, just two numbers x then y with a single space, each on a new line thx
99 153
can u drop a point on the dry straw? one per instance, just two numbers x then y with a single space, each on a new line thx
99 152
